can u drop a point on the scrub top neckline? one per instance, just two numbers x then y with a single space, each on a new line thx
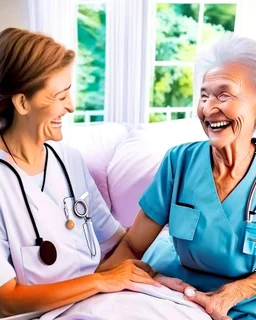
243 179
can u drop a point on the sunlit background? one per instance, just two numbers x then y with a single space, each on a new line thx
134 58
179 29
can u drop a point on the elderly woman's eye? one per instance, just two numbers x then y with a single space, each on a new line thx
224 96
204 97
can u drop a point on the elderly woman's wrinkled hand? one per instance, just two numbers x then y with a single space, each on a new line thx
216 304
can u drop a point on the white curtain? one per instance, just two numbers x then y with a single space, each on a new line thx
56 18
128 60
245 24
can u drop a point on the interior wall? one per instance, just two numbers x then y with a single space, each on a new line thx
13 13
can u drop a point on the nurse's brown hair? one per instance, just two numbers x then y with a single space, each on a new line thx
27 60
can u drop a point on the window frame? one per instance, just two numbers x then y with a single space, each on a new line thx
172 63
154 63
87 113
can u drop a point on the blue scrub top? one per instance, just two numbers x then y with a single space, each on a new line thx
205 243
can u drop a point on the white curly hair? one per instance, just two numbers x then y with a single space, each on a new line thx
230 48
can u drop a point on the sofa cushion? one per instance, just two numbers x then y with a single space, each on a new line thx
137 158
98 144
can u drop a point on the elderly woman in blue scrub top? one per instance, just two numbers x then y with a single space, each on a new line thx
54 225
201 191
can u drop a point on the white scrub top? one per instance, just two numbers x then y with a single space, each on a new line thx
19 256
18 253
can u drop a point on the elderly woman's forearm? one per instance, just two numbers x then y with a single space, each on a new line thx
247 287
121 253
135 242
239 290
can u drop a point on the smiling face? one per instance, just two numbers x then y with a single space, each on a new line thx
48 106
227 107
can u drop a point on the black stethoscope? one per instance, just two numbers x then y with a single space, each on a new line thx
47 251
249 245
249 211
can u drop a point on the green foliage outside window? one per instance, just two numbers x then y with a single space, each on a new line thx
176 40
91 59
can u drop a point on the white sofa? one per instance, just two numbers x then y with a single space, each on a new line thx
123 158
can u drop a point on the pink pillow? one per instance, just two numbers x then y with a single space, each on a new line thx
130 172
98 144
137 159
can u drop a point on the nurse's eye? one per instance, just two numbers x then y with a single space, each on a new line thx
62 98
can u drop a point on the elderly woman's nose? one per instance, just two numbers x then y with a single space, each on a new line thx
209 108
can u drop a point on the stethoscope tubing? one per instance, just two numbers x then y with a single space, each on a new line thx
48 253
71 191
39 240
63 168
249 202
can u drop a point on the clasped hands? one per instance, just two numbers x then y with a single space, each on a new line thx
216 304
124 276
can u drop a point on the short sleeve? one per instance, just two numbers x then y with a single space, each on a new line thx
7 271
156 200
104 223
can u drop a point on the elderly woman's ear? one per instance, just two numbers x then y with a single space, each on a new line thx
20 103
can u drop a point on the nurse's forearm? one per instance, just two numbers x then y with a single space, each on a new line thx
15 298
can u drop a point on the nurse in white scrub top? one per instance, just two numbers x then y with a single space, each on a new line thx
48 254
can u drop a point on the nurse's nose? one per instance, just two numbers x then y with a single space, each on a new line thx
69 103
70 107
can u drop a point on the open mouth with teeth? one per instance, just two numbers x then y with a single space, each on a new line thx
56 123
218 125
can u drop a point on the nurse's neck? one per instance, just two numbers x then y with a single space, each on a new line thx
27 151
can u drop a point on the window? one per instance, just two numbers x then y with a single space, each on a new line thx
180 29
90 68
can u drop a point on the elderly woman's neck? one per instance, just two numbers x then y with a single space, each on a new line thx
233 160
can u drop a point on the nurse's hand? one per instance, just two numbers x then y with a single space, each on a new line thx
125 275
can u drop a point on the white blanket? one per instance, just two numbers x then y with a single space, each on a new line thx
149 303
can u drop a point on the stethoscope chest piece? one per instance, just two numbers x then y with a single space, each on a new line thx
48 253
70 224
